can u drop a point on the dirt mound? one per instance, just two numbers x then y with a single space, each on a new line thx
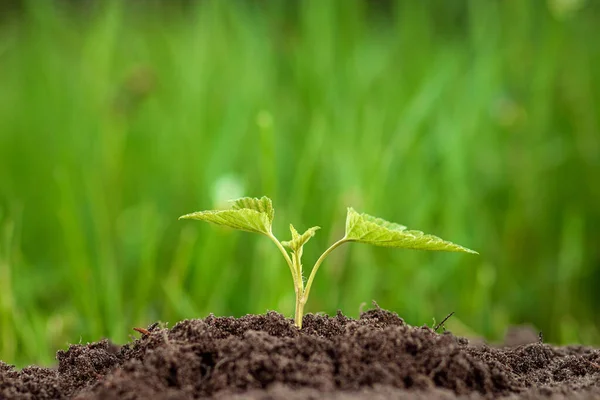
265 357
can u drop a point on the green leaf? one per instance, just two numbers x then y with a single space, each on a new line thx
300 240
364 228
246 214
263 205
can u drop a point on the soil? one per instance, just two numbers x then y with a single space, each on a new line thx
377 356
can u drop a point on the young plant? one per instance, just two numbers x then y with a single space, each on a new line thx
256 215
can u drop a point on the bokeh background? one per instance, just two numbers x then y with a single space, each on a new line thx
478 121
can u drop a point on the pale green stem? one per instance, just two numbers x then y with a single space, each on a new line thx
296 270
299 311
315 268
298 314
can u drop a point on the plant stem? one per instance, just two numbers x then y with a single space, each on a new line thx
296 260
315 268
298 314
299 310
296 270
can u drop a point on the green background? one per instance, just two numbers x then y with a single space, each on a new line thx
477 121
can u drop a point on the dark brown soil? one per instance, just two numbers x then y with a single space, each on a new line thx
265 357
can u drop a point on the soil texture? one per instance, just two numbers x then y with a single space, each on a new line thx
377 356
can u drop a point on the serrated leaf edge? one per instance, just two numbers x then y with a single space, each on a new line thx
397 229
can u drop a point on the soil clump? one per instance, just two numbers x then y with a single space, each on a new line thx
377 356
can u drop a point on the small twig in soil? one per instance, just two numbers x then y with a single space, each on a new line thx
541 338
147 332
210 371
361 307
594 364
438 326
221 362
166 338
143 331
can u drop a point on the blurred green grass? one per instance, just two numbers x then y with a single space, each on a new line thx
476 121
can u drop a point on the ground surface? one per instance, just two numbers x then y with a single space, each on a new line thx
265 357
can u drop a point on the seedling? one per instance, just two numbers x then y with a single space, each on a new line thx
256 215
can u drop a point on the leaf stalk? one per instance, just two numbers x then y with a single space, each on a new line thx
315 268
